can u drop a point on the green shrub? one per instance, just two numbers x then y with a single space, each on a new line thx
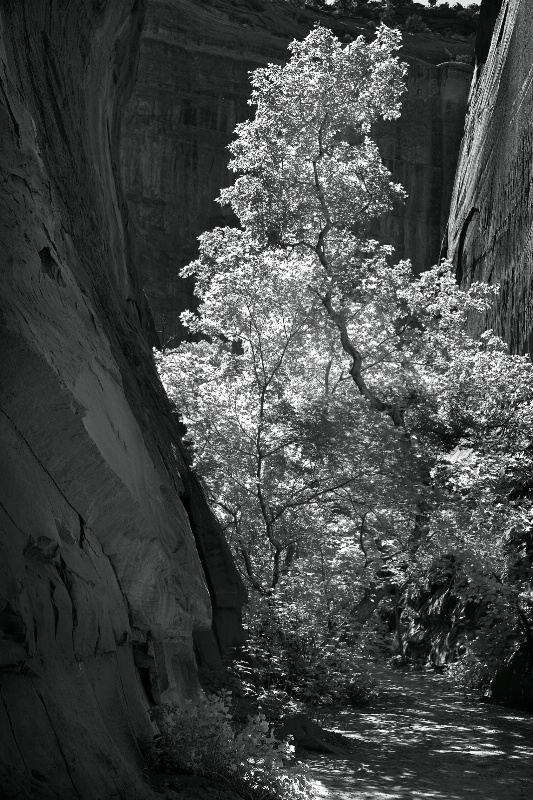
464 58
415 24
295 664
199 737
471 675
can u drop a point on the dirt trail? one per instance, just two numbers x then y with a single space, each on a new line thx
425 742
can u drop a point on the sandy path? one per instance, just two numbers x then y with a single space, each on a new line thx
424 741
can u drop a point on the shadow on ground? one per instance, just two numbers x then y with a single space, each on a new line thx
423 740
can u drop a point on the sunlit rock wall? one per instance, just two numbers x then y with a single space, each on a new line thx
491 217
193 88
102 589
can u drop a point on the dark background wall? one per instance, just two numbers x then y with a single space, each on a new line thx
193 88
491 217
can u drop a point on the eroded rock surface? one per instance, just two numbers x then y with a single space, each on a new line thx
491 218
193 88
102 589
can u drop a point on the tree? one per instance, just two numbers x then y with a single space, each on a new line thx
343 421
266 419
312 176
281 286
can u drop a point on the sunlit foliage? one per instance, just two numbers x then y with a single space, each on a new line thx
348 429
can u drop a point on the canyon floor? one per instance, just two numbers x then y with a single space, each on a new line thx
424 741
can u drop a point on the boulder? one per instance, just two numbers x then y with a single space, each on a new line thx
306 734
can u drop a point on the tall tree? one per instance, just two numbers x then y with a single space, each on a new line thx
336 403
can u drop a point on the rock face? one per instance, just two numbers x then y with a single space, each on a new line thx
110 561
513 684
193 88
421 151
491 217
487 19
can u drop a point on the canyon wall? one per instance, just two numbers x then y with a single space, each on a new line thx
193 88
491 218
490 235
110 561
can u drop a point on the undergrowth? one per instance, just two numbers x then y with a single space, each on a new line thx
200 738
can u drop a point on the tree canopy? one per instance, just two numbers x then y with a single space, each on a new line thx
348 429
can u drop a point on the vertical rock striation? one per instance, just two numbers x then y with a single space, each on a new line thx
421 150
193 88
102 590
491 218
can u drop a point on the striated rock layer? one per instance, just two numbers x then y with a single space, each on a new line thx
103 593
193 88
491 218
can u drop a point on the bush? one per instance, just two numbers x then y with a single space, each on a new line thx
387 16
471 675
294 663
336 677
415 24
465 58
199 737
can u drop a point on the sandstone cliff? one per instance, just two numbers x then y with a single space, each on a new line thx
102 584
193 88
491 218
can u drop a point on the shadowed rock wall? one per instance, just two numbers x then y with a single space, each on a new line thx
491 217
102 592
421 149
193 88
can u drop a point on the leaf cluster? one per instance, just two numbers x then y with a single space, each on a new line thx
200 737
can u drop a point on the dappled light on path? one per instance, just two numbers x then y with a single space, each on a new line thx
423 741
